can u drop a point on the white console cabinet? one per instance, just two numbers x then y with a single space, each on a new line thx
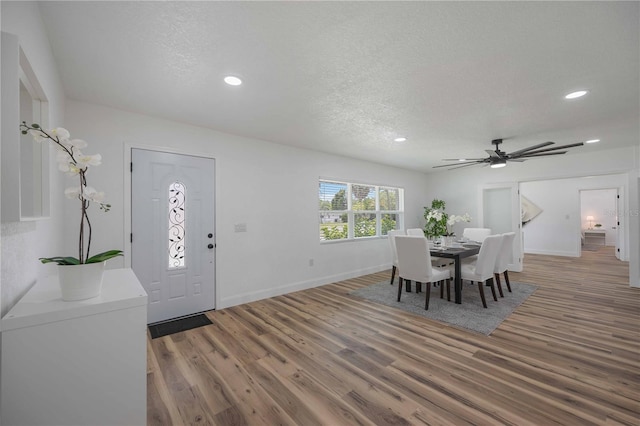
76 363
595 236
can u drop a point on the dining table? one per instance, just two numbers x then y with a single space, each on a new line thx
457 252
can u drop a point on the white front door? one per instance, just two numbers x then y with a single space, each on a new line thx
173 237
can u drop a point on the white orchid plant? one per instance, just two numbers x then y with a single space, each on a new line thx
453 219
74 162
438 222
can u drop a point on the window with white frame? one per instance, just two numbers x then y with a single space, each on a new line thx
353 210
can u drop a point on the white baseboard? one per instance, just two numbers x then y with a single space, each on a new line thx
239 299
552 253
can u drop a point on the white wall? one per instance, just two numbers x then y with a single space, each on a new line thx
461 188
272 257
601 204
24 242
556 231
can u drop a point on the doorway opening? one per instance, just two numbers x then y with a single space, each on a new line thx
600 227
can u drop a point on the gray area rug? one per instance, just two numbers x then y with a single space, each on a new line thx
469 315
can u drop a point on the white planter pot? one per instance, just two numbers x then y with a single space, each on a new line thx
80 282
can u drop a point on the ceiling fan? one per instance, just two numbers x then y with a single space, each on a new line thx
499 158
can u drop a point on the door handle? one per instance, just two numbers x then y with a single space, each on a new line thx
210 235
210 246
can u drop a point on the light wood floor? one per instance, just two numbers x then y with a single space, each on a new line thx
569 355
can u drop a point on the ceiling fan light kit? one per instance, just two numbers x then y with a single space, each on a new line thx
496 164
498 158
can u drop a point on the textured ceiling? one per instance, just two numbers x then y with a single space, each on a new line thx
348 77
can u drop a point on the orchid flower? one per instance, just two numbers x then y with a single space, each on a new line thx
453 219
72 192
84 160
92 195
60 133
77 143
73 162
66 164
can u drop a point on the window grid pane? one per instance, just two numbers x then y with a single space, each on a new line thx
332 196
365 225
350 211
389 199
389 223
176 225
333 225
363 198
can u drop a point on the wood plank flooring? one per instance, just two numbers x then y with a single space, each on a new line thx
569 355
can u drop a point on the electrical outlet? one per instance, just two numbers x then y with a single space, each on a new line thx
240 227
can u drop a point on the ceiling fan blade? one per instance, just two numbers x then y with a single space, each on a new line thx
499 157
466 165
521 151
571 145
462 163
551 149
544 154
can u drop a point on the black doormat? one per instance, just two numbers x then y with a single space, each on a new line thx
178 325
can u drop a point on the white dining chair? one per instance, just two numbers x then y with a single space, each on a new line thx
438 262
391 235
414 264
481 271
476 234
503 259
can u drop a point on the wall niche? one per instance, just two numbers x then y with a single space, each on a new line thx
25 163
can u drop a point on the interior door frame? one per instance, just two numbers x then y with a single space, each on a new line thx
128 210
621 223
621 226
514 187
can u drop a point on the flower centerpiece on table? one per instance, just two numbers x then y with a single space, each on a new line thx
453 219
75 163
438 222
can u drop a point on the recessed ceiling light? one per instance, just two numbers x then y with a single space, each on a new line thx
400 139
575 95
462 159
232 80
592 141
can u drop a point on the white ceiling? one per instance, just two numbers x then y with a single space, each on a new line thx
348 77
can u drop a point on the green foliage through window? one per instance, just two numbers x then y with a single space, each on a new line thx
349 211
330 232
